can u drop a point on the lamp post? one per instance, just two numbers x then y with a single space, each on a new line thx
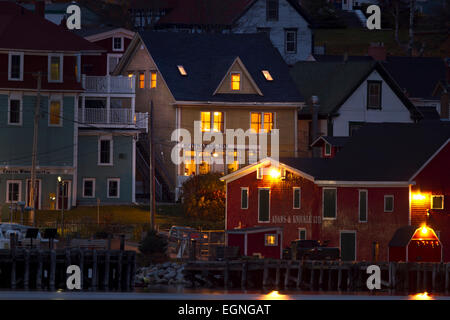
61 184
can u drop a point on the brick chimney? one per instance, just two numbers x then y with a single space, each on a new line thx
39 8
377 51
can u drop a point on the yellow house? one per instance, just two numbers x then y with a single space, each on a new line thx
222 82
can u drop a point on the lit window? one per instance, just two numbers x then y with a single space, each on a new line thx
153 79
212 120
141 80
267 75
203 167
182 71
271 240
55 69
235 81
262 121
55 117
437 202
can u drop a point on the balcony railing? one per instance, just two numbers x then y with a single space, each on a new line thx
108 84
115 117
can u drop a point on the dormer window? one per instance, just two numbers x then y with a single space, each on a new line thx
236 81
117 44
55 68
267 75
182 70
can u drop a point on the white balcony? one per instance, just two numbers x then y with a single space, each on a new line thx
109 84
117 118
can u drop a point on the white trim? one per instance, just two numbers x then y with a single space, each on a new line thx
61 67
325 149
118 188
436 196
93 187
13 96
393 202
356 242
112 55
265 188
379 184
323 205
122 44
271 234
429 160
108 34
299 198
133 170
306 233
246 189
8 182
111 149
39 181
61 112
10 54
231 80
359 206
286 31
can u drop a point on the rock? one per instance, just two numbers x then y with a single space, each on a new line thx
170 275
166 265
160 272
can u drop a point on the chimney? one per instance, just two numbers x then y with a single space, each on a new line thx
39 8
377 51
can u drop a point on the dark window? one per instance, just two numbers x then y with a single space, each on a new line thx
117 43
272 10
388 203
327 149
264 203
244 198
290 41
302 234
15 66
14 111
348 246
437 202
373 94
88 188
105 151
296 198
13 192
329 203
113 188
362 206
353 127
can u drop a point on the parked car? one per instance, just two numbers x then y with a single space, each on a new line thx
313 250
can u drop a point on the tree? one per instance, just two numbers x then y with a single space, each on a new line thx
203 196
322 12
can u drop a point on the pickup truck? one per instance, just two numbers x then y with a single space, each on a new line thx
313 250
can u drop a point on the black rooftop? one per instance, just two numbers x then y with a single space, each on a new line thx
207 58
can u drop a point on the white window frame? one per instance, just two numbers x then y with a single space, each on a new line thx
231 80
61 68
270 191
61 111
118 188
8 182
325 149
101 138
10 65
259 173
286 31
112 55
437 196
122 44
246 189
393 199
359 205
300 197
270 234
306 233
323 205
15 97
93 187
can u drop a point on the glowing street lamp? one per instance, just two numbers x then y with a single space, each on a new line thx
274 173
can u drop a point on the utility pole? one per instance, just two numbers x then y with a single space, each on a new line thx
34 153
152 172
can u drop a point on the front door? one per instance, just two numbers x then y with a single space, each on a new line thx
63 194
348 245
38 194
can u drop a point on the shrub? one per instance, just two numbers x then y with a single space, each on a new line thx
153 244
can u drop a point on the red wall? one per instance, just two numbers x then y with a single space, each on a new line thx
434 179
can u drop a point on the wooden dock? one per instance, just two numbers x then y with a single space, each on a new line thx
46 269
318 275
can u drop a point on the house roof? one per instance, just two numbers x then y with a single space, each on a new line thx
207 58
402 236
429 113
340 58
334 141
334 82
21 29
389 152
418 76
214 12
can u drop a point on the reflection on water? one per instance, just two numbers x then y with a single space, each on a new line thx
275 295
421 296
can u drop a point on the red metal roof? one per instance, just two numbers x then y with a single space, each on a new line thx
200 12
21 29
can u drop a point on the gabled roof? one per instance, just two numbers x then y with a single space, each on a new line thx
21 29
416 75
207 58
335 82
333 141
402 236
214 12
